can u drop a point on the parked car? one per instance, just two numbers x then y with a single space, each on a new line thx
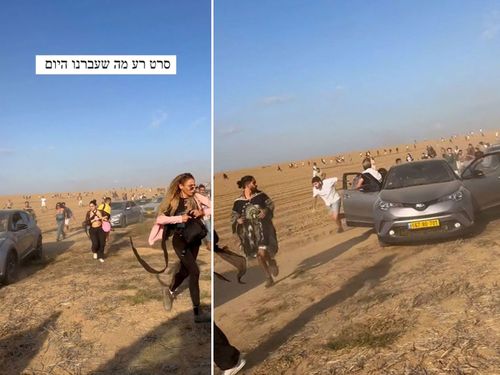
425 199
124 213
151 209
20 238
141 202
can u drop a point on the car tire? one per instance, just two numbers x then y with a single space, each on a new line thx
10 271
382 243
38 253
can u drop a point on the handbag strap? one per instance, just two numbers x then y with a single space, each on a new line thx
144 264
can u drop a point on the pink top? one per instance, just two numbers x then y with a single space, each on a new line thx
162 220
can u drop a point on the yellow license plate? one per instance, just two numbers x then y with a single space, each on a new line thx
424 224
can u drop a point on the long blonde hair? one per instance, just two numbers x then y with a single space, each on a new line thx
172 197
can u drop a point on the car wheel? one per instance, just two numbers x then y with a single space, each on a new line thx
10 272
382 243
38 253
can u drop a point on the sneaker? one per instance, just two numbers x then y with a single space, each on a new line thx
95 255
203 317
273 267
101 260
168 299
269 282
236 368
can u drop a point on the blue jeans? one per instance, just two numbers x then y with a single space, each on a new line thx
207 223
60 229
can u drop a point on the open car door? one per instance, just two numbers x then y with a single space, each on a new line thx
358 204
482 179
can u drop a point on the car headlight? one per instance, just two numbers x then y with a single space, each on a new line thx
384 206
456 196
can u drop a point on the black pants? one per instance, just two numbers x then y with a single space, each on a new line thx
98 238
226 356
188 267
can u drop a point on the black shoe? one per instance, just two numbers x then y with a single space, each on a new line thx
202 317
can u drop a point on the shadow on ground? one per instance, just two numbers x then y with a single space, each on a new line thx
17 351
255 276
373 274
176 346
51 250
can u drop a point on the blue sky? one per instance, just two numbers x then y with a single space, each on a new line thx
150 128
298 79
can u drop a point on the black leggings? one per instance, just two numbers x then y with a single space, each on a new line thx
226 356
188 267
98 238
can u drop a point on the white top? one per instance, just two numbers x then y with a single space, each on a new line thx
374 173
316 171
43 200
327 191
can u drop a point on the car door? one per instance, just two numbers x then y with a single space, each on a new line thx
136 211
128 212
31 235
482 179
358 204
20 231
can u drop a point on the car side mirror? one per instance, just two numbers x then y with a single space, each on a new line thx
21 226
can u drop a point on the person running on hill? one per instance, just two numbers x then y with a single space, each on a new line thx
251 219
325 189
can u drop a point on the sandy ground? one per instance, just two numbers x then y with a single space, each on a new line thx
69 314
344 305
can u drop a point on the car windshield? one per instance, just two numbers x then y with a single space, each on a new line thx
4 219
142 202
413 174
117 205
157 200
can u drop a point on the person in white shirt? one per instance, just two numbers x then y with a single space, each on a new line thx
369 175
316 170
43 201
326 190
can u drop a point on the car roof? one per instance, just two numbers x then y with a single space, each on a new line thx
10 211
493 148
418 162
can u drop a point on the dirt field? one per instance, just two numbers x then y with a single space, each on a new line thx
69 314
343 305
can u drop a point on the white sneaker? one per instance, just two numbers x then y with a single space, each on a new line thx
95 255
236 368
101 260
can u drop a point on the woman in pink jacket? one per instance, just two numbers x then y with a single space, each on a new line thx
181 204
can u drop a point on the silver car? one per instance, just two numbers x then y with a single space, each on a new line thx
425 199
124 213
151 209
20 238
